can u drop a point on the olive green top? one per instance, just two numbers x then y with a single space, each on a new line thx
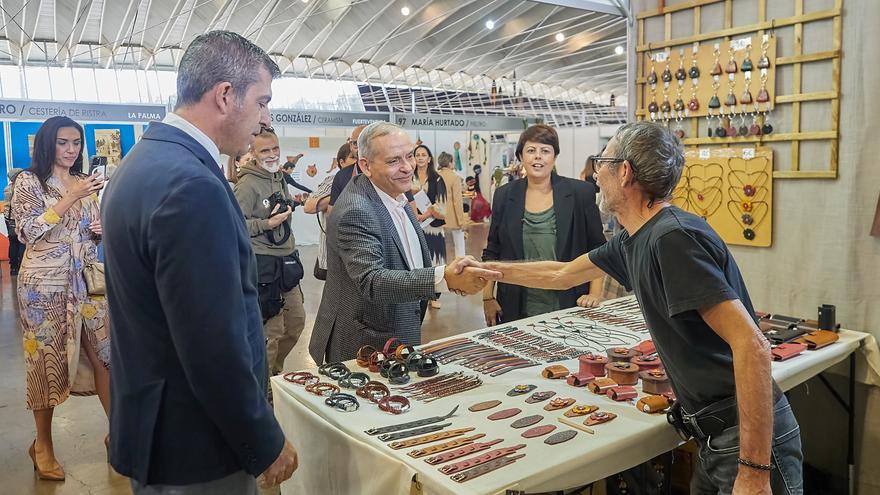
539 244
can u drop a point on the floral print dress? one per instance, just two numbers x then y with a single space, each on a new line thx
56 311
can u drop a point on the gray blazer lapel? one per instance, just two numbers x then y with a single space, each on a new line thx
384 216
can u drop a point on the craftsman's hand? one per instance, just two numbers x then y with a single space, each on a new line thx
461 278
489 273
276 220
588 301
95 227
752 482
282 469
492 312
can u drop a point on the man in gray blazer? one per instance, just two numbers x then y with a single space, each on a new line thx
378 267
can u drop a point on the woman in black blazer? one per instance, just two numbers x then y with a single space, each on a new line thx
541 217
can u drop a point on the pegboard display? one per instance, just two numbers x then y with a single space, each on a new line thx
732 188
779 121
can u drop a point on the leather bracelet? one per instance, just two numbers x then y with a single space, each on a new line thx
754 465
485 468
403 351
461 452
394 404
389 347
427 366
343 402
336 371
481 459
373 391
424 430
490 299
321 388
433 437
301 378
397 373
443 447
376 359
384 366
354 380
363 356
413 358
411 424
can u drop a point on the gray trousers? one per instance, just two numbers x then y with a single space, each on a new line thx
240 483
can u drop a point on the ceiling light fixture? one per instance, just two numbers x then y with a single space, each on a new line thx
490 24
560 37
404 11
618 50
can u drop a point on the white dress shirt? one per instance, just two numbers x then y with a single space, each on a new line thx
184 125
409 238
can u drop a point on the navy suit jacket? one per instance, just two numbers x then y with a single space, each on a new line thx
188 358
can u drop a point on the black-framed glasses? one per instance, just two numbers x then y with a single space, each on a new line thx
596 160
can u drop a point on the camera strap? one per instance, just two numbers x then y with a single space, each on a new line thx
285 227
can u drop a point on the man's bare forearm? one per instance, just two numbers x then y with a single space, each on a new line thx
548 274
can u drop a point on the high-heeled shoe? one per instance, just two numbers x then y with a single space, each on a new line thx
54 475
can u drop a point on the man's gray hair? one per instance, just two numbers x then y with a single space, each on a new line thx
656 154
216 57
371 132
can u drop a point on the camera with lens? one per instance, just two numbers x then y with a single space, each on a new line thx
278 199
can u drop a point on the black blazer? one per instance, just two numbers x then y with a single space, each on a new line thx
188 356
578 231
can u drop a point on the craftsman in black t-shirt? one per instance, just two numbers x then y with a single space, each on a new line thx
698 312
676 264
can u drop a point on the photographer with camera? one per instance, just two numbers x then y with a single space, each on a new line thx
262 193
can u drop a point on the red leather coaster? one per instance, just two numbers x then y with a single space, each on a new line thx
538 431
562 436
559 403
527 421
506 413
599 417
622 393
482 406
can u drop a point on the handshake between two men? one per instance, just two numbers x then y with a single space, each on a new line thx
464 276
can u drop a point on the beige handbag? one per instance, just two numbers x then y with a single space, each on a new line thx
95 282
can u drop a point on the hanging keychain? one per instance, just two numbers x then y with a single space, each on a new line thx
680 78
666 77
714 101
694 73
652 81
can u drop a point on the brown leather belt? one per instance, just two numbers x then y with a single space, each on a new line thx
461 452
481 459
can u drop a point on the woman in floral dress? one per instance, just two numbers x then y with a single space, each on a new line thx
65 331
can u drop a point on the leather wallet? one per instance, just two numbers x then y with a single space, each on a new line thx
818 339
788 350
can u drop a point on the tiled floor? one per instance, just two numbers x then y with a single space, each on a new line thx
80 425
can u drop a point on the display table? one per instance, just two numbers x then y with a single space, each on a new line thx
337 457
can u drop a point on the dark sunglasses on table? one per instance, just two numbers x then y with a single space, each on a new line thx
596 161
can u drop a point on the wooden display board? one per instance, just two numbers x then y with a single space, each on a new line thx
746 46
732 188
788 131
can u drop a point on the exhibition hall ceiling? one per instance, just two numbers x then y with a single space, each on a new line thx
548 48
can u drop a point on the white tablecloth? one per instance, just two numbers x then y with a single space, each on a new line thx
337 457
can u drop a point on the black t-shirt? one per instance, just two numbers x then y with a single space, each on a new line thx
341 179
676 264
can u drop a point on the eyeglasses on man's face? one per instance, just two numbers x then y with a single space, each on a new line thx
598 161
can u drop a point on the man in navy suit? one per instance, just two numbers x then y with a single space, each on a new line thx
189 413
